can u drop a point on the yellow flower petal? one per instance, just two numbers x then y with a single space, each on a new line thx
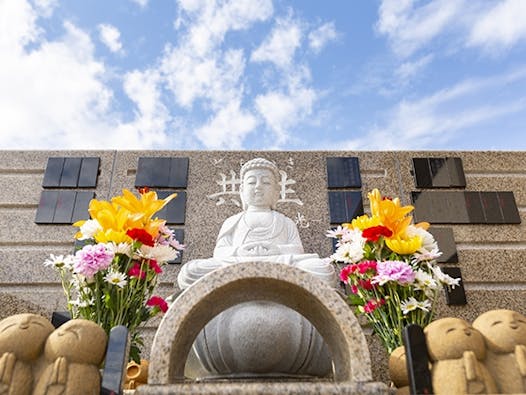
390 213
364 221
404 246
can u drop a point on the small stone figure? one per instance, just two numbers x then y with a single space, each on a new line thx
22 339
457 352
504 332
74 353
398 371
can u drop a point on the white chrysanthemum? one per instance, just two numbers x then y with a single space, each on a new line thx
444 278
60 261
89 229
425 280
121 248
353 236
428 241
116 278
160 253
348 253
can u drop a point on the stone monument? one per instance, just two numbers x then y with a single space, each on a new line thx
259 338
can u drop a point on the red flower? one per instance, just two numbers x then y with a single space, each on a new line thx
363 267
154 266
135 271
157 301
372 305
141 235
374 233
345 272
366 284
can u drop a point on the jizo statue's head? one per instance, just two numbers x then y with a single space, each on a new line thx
259 184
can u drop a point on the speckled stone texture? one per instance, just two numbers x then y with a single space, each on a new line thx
244 282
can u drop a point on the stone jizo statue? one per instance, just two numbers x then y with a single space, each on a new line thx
504 332
260 338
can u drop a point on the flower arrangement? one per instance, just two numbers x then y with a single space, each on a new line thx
112 278
391 268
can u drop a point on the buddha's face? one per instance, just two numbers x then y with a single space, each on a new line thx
259 189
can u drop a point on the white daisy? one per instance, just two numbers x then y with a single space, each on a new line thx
60 261
444 278
424 280
116 278
408 305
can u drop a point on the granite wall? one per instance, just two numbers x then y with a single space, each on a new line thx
492 257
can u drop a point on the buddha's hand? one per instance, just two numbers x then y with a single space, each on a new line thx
260 248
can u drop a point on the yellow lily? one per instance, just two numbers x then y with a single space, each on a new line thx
390 212
145 207
404 246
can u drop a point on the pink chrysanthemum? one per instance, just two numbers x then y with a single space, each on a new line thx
91 259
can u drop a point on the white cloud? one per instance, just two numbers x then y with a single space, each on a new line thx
501 26
141 3
279 47
45 7
321 36
110 36
282 111
409 27
55 96
227 128
438 118
409 69
199 71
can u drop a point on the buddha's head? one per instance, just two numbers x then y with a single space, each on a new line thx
259 184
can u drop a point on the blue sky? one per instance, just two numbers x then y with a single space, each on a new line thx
263 74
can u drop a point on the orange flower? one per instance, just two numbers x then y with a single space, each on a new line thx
390 212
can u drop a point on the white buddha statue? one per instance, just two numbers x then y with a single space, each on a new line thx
260 338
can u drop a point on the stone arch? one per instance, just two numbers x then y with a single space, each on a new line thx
244 282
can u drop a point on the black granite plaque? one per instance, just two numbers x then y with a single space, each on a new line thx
457 178
446 244
53 172
116 360
491 207
439 172
178 173
162 173
417 360
175 211
343 172
474 207
455 296
64 207
422 173
89 170
46 207
70 173
344 206
179 235
82 201
509 208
